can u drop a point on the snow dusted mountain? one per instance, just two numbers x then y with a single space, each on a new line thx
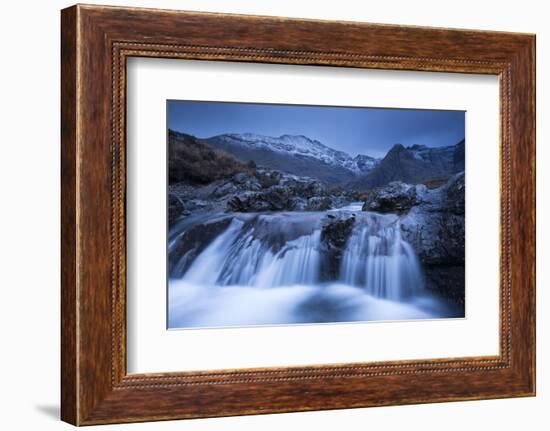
365 163
415 164
295 154
301 156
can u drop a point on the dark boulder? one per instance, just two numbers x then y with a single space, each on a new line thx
335 232
454 199
305 187
318 203
448 282
240 182
246 182
436 230
268 178
396 197
264 191
276 198
224 189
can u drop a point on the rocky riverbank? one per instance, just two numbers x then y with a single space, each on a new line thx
264 190
433 222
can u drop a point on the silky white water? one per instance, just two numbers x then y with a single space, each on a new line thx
380 261
268 269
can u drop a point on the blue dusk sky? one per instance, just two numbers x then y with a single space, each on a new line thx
371 131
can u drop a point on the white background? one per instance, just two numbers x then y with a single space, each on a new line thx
29 228
151 348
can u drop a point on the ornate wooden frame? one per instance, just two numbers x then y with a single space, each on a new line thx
95 43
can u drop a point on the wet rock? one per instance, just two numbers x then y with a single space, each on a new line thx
340 200
300 204
240 182
183 200
454 195
194 204
176 208
192 242
305 187
436 230
396 197
448 282
264 191
268 178
276 198
318 203
436 227
246 182
224 189
335 232
240 178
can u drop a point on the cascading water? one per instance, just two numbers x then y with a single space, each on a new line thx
242 256
267 269
379 260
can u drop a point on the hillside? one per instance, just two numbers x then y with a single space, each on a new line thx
190 160
204 160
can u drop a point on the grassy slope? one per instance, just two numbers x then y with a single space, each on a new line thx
191 160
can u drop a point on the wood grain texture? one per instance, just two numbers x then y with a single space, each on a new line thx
69 367
96 41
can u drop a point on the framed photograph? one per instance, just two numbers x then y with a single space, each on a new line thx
271 228
264 215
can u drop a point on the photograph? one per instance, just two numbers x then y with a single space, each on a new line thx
296 214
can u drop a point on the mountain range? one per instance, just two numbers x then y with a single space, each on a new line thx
302 156
414 165
295 154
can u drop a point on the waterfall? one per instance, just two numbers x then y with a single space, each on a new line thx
379 260
273 250
269 251
255 269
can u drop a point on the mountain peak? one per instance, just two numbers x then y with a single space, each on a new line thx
296 137
397 148
417 147
414 165
292 148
